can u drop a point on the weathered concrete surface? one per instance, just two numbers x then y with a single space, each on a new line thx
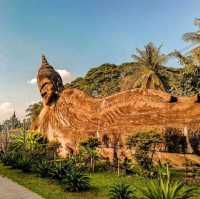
11 190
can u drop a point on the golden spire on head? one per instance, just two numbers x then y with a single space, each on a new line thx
49 82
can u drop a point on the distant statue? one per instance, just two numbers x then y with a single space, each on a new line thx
70 115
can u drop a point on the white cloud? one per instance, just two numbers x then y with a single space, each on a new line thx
66 76
6 109
32 81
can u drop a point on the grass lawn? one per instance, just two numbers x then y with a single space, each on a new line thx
52 190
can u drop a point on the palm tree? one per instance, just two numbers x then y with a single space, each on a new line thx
151 59
193 37
149 79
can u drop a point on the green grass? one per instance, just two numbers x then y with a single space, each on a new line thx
52 190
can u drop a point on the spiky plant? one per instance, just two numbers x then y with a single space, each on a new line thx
24 163
164 188
43 168
121 191
76 181
59 170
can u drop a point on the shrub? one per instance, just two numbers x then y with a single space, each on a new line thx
128 167
76 181
89 152
103 165
24 163
58 170
164 188
145 144
27 141
10 159
175 140
91 143
43 168
194 138
121 191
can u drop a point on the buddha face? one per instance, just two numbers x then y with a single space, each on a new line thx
47 91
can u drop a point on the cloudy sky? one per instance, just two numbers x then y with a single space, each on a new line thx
76 35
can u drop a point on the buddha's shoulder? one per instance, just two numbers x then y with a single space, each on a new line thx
74 94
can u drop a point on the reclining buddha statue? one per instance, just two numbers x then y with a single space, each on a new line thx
69 115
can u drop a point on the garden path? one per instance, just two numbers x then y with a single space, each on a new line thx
12 190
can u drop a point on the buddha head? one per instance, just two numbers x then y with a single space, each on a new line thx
49 82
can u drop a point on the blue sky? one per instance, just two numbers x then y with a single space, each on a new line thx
76 35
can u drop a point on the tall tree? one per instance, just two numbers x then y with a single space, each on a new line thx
193 37
151 59
189 83
33 111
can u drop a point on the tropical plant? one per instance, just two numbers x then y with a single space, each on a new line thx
75 181
121 191
144 143
193 37
91 142
165 188
194 139
189 83
174 140
58 170
27 141
9 158
24 163
151 59
128 166
43 168
88 150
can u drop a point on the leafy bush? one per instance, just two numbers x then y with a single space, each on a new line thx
121 191
175 140
194 138
89 152
76 181
10 159
128 167
144 143
103 165
24 163
43 168
91 143
164 188
58 170
27 141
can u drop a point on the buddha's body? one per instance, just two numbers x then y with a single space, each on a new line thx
73 115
